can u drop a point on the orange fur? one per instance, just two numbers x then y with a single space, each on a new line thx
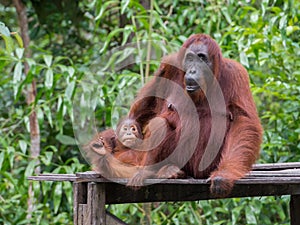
244 132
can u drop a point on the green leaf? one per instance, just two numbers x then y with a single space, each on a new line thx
4 30
69 191
2 156
282 22
66 140
37 186
48 114
109 37
226 15
19 39
157 8
30 168
9 44
250 216
291 29
49 78
254 17
104 8
124 5
69 90
57 196
48 59
159 20
128 29
31 63
276 10
17 72
59 103
23 146
47 158
19 52
40 115
244 59
71 71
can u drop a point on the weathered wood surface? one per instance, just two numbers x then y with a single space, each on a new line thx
259 170
92 192
264 180
276 166
192 192
295 209
54 177
89 205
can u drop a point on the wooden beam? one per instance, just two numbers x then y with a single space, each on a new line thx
53 177
96 214
192 192
276 166
295 209
81 215
276 173
79 198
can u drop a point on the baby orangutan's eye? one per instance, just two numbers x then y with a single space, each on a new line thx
96 145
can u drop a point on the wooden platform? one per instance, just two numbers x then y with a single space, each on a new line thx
92 192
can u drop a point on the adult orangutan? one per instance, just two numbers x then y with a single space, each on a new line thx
243 133
229 129
163 104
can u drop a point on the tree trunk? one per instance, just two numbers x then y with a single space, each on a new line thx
30 99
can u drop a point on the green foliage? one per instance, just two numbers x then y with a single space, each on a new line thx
88 42
263 210
6 36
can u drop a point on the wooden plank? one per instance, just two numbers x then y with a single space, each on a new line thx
295 209
82 212
269 180
247 180
57 174
75 204
276 166
88 174
192 192
149 181
282 177
93 176
278 173
96 204
79 215
53 177
79 198
294 172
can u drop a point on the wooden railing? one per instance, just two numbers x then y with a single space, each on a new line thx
91 192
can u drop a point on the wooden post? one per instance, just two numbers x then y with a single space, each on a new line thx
96 214
295 209
80 196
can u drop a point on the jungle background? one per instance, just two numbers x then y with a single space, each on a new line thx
63 39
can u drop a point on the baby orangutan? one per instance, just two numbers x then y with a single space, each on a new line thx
129 143
122 154
100 150
160 130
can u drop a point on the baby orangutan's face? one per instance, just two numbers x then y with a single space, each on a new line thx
129 133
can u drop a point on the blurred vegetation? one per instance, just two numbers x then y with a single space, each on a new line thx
70 40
